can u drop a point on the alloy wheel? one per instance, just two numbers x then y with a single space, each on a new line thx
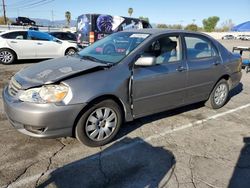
101 124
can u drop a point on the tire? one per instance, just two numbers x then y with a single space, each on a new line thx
7 56
94 129
70 51
219 95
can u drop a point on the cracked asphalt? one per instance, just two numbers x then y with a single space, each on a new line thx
190 147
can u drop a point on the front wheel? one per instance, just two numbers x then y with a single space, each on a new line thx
99 124
219 95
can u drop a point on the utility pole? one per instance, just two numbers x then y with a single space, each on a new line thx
4 13
52 17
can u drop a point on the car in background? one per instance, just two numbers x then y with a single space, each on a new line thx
15 45
239 37
71 37
24 21
228 37
246 37
91 94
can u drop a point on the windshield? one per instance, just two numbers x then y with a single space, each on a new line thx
113 48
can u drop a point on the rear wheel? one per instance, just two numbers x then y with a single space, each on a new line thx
70 51
219 95
99 124
7 56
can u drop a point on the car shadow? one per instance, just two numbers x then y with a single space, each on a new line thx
235 91
241 174
137 123
28 61
138 164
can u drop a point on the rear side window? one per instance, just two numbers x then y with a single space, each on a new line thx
199 48
70 36
34 35
20 35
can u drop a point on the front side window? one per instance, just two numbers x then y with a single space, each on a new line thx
199 48
35 35
166 50
114 47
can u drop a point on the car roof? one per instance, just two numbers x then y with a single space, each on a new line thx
154 31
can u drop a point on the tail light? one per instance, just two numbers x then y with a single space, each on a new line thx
91 37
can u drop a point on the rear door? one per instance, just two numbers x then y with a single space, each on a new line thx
204 67
162 86
19 42
45 46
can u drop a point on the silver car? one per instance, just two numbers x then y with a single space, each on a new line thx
124 76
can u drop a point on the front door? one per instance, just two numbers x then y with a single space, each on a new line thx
162 86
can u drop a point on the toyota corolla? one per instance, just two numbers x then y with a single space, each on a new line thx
124 76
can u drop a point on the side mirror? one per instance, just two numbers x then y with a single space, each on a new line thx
146 61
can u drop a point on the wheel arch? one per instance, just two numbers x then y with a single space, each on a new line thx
68 48
97 100
16 56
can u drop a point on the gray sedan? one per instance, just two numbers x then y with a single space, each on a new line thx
124 76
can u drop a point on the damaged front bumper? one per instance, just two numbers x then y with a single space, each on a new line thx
41 120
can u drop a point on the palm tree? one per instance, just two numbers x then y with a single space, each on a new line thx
68 17
130 11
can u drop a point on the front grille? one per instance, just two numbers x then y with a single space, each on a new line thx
14 87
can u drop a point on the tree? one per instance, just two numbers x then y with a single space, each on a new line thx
191 27
210 23
2 22
68 17
162 26
227 25
130 11
144 18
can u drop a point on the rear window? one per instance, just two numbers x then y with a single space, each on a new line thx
21 35
199 48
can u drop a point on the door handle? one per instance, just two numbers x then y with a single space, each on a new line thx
39 43
181 69
216 63
13 41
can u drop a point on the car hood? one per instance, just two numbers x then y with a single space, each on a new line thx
55 70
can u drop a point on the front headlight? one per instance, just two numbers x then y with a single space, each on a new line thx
45 94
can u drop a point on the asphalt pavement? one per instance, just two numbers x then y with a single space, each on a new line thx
193 146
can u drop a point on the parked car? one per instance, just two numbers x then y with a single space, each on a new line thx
239 37
93 27
91 94
245 56
15 45
228 37
24 21
246 37
71 37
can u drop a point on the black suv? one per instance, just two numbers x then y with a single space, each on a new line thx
24 21
71 37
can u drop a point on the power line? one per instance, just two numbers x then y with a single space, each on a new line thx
30 4
20 2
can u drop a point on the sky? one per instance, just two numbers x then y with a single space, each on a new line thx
158 11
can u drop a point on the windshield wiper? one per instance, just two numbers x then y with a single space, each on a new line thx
91 58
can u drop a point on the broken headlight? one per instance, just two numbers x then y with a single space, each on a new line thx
45 94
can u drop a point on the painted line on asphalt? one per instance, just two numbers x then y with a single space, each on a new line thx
26 180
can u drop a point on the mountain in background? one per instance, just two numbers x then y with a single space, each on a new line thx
46 22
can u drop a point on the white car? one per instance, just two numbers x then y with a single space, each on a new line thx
15 45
